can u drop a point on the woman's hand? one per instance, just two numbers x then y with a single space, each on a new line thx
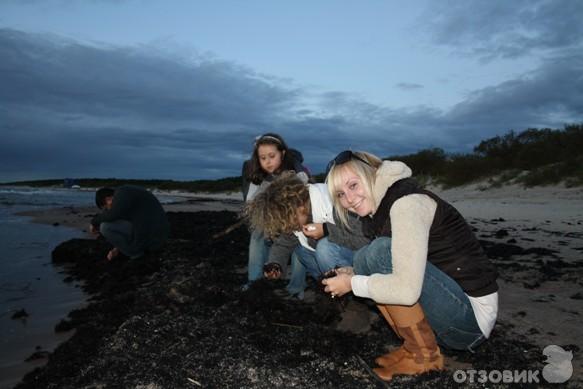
341 284
313 230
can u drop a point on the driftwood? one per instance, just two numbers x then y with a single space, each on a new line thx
229 229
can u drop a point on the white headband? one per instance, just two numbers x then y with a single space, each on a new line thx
273 138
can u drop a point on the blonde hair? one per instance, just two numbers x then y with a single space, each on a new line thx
274 210
366 173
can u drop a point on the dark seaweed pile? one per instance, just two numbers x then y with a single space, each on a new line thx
533 266
178 319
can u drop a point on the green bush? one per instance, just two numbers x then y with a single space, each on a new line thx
464 168
507 176
546 175
429 162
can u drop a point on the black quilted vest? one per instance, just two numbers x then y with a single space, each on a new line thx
453 248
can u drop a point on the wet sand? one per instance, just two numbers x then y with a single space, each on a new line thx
535 237
180 319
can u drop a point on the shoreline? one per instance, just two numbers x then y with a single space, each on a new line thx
80 217
38 291
537 289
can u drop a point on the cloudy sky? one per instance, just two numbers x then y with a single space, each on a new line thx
178 89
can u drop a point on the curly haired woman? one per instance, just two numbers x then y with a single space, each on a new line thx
301 218
270 158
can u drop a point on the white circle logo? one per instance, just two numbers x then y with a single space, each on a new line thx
558 368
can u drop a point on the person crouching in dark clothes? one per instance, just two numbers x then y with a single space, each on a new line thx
132 220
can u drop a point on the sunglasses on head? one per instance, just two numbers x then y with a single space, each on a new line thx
343 157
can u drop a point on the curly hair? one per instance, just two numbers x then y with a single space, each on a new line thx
274 210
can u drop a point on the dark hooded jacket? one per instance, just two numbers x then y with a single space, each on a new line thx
143 210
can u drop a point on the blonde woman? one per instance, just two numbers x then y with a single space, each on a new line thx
425 269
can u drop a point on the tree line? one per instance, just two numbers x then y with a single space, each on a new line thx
530 158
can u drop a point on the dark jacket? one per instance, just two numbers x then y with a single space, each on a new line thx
143 210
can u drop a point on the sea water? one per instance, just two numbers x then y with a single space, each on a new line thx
28 279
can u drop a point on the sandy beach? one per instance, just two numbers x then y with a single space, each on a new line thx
543 307
535 237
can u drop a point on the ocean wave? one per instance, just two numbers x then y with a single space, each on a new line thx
43 197
29 191
13 202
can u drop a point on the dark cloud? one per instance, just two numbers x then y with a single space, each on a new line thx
552 93
61 96
551 96
78 110
140 83
506 29
408 86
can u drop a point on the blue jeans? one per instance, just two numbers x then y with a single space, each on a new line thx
258 255
446 306
327 256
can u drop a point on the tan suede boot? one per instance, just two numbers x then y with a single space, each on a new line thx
420 352
395 355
